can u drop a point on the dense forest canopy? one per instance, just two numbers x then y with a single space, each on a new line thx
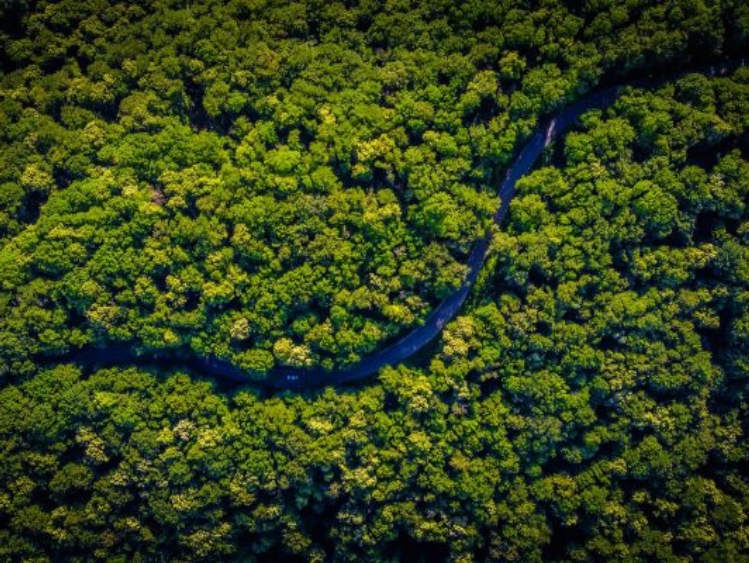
299 183
274 183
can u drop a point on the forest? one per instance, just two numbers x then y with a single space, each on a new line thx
298 184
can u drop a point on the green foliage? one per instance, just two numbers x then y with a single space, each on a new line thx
296 184
320 171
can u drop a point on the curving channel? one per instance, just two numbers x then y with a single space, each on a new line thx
411 343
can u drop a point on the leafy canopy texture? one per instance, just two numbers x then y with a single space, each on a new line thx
274 183
294 184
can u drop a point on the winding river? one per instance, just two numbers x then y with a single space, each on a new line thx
411 343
